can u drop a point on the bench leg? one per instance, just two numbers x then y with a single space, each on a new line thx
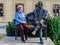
15 34
46 34
41 40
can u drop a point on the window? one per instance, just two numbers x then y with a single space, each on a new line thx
56 10
19 4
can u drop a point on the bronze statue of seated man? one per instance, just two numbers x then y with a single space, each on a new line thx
37 17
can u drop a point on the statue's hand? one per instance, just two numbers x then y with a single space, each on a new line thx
42 21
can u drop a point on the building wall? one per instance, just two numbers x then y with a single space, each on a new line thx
29 5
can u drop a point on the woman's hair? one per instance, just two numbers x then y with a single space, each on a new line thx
18 6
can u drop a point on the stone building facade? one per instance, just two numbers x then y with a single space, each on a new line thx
8 8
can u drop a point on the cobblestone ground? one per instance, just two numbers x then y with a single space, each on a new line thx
30 41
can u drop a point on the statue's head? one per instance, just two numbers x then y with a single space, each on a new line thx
40 4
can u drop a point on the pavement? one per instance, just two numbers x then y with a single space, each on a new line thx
31 41
2 31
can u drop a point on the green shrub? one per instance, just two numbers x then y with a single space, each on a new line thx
54 28
10 29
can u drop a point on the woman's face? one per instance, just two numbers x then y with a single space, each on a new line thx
20 7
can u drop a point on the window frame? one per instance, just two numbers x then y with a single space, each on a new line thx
56 9
2 9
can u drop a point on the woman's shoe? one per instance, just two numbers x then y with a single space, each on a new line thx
23 40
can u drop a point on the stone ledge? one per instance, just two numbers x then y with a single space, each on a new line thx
30 41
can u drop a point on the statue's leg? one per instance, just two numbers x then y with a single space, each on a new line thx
41 40
46 33
36 29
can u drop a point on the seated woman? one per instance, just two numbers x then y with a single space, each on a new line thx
21 23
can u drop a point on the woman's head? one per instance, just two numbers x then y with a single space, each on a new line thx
20 7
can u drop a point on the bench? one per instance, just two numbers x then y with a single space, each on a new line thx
16 32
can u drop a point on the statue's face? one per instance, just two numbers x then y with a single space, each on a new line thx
40 6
